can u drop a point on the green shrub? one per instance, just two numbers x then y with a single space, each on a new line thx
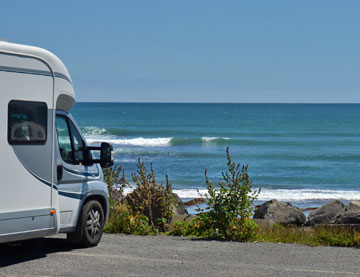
150 204
229 204
121 221
116 181
151 199
182 228
244 231
202 227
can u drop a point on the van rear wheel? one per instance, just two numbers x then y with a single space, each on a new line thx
91 225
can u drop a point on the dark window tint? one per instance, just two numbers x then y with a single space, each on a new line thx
27 122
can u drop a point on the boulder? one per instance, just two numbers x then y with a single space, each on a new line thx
264 224
280 212
180 207
325 214
349 215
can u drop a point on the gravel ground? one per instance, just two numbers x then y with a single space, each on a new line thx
120 255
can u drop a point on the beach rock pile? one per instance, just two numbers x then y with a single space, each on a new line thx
179 208
325 214
280 212
349 215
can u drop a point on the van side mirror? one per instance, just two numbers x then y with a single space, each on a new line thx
106 155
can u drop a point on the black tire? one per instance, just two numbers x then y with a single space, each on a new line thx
92 231
91 225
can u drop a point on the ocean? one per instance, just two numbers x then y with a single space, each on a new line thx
307 154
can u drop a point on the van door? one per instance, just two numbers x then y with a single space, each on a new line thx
73 174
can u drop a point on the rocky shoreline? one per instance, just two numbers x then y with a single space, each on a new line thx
332 213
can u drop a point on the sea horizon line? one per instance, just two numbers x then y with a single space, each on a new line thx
230 103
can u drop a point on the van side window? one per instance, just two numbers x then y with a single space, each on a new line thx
78 143
27 122
71 145
64 140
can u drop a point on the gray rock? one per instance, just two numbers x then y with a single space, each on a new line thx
264 224
280 212
180 207
349 215
325 214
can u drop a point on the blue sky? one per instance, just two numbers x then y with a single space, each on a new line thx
198 51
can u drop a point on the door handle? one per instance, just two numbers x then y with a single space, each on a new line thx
59 172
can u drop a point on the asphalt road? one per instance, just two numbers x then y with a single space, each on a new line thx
120 255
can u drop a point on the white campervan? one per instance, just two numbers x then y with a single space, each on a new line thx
50 180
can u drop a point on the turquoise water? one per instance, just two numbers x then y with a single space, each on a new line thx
303 153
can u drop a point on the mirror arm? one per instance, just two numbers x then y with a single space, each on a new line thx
97 148
88 160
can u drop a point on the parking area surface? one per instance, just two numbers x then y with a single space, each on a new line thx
121 255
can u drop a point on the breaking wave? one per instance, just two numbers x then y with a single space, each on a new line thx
133 141
210 139
97 135
202 140
93 131
287 194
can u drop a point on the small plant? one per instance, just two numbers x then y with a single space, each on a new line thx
150 204
320 235
116 181
121 221
335 236
151 199
182 228
229 204
244 231
357 239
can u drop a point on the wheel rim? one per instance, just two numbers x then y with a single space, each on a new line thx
93 223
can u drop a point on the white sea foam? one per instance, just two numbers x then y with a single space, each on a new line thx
208 139
287 194
128 190
150 142
280 194
91 131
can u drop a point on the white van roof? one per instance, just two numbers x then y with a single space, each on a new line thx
64 92
55 63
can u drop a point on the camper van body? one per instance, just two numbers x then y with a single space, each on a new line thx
47 186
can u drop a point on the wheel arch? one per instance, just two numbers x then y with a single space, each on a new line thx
101 199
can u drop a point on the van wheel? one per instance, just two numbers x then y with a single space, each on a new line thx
91 225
